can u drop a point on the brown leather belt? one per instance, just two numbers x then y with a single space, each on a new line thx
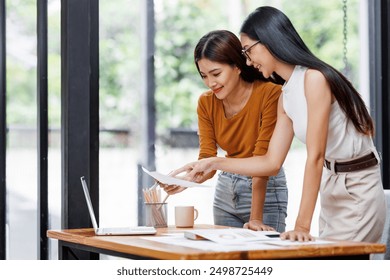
353 165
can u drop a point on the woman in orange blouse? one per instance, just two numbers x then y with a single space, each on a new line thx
237 115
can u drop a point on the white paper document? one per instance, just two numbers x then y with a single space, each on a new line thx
169 180
222 240
207 245
231 235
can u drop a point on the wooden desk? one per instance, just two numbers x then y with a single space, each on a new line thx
135 247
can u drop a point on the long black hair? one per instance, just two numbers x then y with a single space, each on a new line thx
224 47
275 31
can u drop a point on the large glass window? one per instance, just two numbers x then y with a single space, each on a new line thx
179 25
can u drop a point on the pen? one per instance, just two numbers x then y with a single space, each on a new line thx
165 199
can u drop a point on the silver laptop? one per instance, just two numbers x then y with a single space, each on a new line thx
138 230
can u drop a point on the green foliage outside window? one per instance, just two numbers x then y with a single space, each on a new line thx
179 25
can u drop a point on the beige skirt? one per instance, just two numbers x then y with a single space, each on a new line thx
353 205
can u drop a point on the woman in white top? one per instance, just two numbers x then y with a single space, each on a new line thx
322 109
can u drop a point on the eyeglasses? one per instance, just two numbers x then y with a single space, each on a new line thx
245 51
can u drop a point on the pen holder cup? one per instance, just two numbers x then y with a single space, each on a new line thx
156 215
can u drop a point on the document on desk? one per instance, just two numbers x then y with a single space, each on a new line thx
297 243
207 245
231 235
260 240
246 236
169 180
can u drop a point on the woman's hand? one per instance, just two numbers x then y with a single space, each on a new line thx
296 235
196 171
173 189
258 226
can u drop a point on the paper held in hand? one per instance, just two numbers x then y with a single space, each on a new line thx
169 180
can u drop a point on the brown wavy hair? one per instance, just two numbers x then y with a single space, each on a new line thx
224 47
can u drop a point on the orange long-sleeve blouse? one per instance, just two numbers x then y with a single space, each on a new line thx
245 134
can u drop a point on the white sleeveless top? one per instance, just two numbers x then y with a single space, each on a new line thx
344 141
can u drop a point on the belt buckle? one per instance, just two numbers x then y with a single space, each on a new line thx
330 165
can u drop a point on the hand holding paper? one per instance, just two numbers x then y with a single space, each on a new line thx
169 180
173 189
